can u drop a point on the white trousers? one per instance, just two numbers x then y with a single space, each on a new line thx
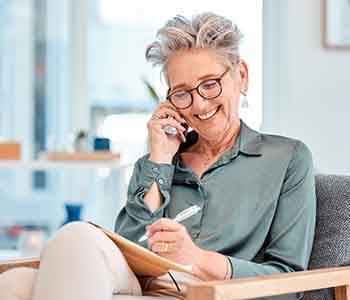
78 263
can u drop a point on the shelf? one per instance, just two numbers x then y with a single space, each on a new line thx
45 165
104 156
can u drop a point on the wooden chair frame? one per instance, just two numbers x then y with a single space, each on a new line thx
252 287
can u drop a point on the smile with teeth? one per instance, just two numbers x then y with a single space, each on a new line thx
209 114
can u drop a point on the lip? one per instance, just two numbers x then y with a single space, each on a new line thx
217 109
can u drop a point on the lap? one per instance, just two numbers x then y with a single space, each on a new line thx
86 253
17 284
83 236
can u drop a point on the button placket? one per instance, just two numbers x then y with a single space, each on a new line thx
159 179
155 170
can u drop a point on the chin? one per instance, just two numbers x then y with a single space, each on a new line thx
212 134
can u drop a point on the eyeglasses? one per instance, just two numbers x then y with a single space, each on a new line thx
208 89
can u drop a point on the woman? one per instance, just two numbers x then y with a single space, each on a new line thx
255 191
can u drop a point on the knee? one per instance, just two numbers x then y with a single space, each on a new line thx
17 284
75 227
73 230
75 235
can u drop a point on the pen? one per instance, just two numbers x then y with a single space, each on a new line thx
183 215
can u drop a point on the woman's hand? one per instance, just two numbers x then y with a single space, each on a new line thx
163 145
169 239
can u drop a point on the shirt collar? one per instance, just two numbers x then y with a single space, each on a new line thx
248 142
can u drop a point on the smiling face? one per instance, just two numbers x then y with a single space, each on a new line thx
211 119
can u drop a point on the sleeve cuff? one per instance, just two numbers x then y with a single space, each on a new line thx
239 268
151 172
161 173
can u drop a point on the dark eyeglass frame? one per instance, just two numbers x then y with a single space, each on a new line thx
218 80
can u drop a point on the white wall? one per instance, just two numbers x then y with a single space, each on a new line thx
306 86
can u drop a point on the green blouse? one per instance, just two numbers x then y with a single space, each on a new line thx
258 202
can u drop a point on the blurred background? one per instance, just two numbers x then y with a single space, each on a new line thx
76 93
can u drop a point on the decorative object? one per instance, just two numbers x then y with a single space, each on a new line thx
10 151
102 144
73 211
337 24
31 241
151 90
81 143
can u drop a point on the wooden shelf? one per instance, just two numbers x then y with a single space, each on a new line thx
54 165
80 156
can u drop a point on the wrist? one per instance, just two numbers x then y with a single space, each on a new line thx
228 270
203 269
161 159
197 268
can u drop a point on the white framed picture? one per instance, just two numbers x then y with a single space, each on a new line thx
337 23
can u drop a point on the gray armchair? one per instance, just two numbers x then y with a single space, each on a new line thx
332 240
329 274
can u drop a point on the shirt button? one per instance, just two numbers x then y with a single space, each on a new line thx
160 181
155 170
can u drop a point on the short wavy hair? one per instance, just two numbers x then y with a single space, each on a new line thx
206 30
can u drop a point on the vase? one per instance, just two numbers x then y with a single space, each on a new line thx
73 211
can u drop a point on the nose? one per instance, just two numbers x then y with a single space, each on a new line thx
199 103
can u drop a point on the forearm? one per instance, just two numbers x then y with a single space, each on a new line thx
153 197
149 180
206 270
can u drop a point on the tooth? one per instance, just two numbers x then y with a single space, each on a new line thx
208 115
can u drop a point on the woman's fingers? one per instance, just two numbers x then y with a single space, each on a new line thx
164 112
163 146
163 224
163 122
163 241
163 236
162 247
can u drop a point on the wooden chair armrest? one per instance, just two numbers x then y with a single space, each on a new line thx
16 263
273 285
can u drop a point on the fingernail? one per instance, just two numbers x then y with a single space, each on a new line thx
147 233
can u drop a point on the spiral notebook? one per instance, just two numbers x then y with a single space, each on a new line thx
142 261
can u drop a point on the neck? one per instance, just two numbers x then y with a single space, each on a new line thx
215 147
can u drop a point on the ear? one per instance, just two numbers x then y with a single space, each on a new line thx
244 75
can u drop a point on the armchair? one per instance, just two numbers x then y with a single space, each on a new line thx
328 276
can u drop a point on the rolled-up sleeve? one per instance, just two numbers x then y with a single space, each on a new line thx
291 235
135 215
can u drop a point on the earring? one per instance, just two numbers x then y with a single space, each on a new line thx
245 103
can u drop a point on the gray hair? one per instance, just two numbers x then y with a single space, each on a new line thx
206 30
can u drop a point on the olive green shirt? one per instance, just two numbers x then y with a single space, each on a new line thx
257 202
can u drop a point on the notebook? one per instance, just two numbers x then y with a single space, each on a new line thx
142 261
